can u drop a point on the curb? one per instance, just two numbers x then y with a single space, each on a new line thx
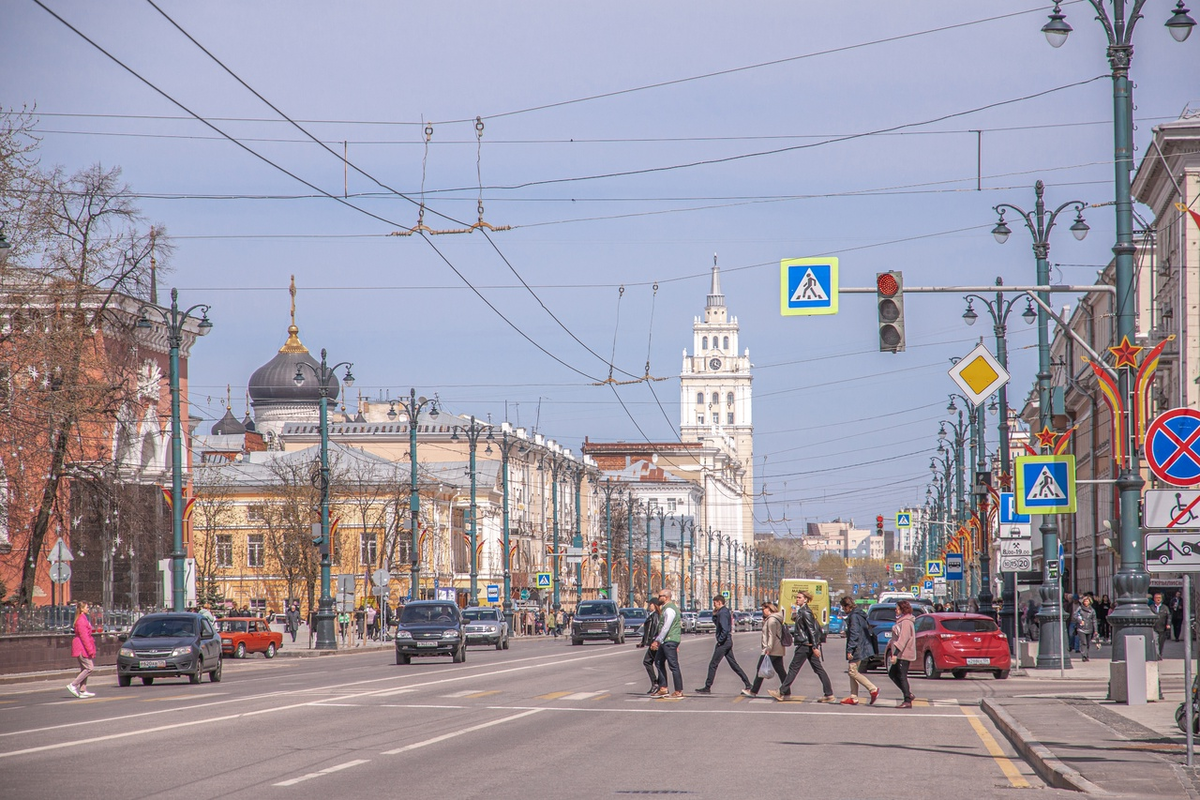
1048 767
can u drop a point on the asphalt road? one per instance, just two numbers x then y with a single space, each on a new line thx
542 719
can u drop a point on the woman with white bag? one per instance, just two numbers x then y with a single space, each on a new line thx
773 649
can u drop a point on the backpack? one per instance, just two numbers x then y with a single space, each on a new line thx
786 638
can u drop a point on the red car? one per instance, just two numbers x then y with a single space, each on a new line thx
961 643
242 635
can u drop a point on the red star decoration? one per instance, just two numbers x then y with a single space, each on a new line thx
1046 437
1126 354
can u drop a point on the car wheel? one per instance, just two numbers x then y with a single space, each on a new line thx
403 659
1001 674
505 642
241 650
576 642
195 676
215 675
270 650
960 674
124 680
931 670
147 681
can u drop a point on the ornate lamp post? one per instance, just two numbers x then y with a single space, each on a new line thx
629 550
473 431
325 381
412 414
608 487
554 459
1130 615
736 569
174 319
649 563
578 471
686 524
506 446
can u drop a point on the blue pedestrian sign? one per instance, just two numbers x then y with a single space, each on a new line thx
875 585
855 588
1045 484
954 566
903 519
1008 510
544 580
808 286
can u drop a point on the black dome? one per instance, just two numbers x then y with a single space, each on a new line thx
275 380
228 425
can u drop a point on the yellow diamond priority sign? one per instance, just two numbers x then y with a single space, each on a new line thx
979 374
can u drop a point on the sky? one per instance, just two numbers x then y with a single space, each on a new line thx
622 145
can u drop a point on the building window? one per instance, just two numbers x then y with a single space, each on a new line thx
368 548
729 421
699 419
671 505
256 512
725 344
716 401
729 399
258 606
225 551
704 343
255 551
699 398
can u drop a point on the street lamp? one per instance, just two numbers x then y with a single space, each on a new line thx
999 309
472 431
174 319
412 413
629 549
608 487
506 446
578 471
553 457
1130 616
686 524
325 382
1040 223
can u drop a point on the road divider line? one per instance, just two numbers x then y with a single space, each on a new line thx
326 771
462 693
462 732
488 693
994 750
391 692
553 695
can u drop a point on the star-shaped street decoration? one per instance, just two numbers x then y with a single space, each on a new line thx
1046 437
1126 354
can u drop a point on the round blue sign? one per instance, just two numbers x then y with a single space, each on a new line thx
1173 447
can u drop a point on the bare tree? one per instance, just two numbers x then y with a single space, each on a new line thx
213 515
288 515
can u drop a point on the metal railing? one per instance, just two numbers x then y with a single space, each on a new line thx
61 619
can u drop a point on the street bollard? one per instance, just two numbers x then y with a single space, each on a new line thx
1135 670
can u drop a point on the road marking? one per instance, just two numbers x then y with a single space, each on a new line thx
675 708
391 692
488 693
920 703
579 695
552 696
463 693
989 742
92 700
179 697
461 732
326 771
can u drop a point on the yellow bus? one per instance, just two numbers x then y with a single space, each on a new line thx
790 587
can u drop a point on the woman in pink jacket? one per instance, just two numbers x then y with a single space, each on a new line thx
83 647
902 651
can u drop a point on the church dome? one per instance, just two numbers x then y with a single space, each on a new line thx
275 381
228 425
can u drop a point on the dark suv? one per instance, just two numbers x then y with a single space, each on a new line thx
169 646
597 619
430 628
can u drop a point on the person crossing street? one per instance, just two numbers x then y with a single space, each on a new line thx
668 642
860 645
723 648
807 635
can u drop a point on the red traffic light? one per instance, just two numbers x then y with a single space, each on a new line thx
879 522
885 284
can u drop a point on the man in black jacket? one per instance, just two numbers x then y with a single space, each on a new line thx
653 660
724 646
807 633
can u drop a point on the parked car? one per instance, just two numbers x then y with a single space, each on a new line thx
704 622
242 635
961 643
756 619
741 620
486 625
634 618
882 617
688 621
169 645
837 623
597 619
430 628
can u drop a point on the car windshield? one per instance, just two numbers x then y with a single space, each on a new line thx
633 613
970 625
164 628
705 615
882 614
440 614
480 613
595 610
232 625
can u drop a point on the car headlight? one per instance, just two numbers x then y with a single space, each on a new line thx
186 650
492 628
126 652
403 635
451 634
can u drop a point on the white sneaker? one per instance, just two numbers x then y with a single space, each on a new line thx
71 688
87 694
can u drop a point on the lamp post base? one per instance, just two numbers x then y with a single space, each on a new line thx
326 638
1131 617
1053 648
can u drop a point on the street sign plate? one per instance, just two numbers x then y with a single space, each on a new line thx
60 552
935 569
1052 569
914 589
380 577
954 566
929 586
854 588
60 572
1011 531
875 584
1016 547
1172 509
1173 447
1016 563
544 580
493 593
808 286
904 519
1045 484
1008 511
897 567
979 374
1172 552
725 594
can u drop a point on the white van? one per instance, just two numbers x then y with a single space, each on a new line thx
895 597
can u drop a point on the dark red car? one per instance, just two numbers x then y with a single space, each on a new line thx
242 635
961 643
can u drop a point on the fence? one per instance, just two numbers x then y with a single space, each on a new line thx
61 619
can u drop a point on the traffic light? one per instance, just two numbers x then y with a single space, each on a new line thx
879 525
595 548
889 298
318 539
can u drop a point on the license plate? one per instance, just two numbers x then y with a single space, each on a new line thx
978 662
426 644
152 664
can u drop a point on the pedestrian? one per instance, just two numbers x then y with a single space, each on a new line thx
1176 608
667 641
1162 616
292 620
1033 625
1084 620
371 616
773 649
860 645
343 619
652 660
83 647
723 648
1103 606
902 651
806 632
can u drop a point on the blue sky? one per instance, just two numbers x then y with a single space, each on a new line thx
571 94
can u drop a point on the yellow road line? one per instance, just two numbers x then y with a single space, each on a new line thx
553 695
920 704
483 694
989 742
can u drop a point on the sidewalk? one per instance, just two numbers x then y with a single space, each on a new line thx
1076 739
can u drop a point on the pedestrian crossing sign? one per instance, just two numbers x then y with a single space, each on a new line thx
808 286
935 569
1045 484
903 519
544 580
